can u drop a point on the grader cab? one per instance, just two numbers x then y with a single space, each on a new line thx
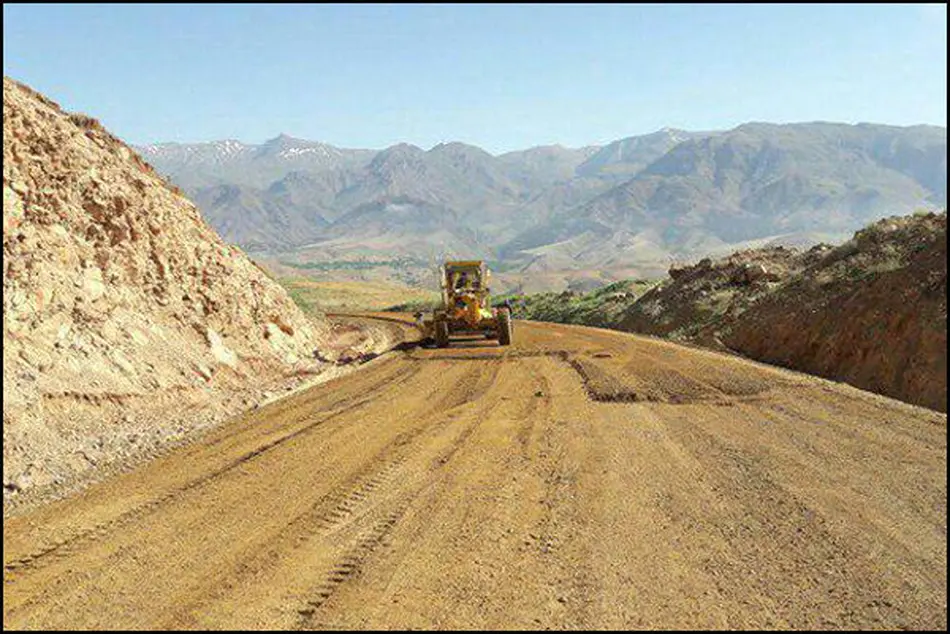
466 306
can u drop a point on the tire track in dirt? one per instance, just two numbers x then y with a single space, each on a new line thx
350 563
76 546
482 487
530 422
441 469
101 530
356 498
843 593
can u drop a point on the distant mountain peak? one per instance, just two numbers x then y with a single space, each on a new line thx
456 145
397 156
283 140
676 134
283 137
670 189
404 147
400 149
457 148
285 146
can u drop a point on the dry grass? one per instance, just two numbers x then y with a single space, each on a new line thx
313 295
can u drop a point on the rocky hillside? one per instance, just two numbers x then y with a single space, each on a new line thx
631 204
625 158
871 312
601 307
711 194
696 301
195 165
126 319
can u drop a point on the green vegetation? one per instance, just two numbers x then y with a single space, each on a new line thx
354 265
301 296
327 296
602 307
417 305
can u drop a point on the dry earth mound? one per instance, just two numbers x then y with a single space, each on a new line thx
126 319
872 313
698 301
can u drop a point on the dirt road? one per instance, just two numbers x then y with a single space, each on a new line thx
580 478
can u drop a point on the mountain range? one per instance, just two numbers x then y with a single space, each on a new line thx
639 201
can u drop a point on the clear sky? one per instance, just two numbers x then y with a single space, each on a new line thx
502 77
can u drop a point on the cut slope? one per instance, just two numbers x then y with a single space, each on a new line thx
122 309
871 312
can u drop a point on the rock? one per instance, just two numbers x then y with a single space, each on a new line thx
677 272
220 352
12 487
204 371
19 187
92 285
17 298
12 210
137 336
109 331
755 272
36 357
283 324
123 362
272 332
752 273
94 269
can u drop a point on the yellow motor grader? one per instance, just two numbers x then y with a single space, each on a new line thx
466 307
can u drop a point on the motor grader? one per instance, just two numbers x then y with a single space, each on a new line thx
466 306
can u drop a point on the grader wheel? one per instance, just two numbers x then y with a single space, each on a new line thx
441 334
504 327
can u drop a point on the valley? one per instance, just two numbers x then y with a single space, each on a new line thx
559 218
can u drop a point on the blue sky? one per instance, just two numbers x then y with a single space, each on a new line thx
503 77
